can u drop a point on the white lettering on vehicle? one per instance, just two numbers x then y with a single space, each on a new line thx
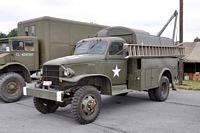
25 54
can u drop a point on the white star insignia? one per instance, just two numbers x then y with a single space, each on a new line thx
116 71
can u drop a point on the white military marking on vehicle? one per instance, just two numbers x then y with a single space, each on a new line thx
116 71
27 54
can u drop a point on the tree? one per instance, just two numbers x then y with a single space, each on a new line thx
13 32
197 39
2 35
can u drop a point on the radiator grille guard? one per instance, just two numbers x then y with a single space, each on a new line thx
51 73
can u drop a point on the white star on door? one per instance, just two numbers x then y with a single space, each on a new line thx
116 71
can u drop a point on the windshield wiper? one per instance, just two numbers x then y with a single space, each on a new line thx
94 45
79 45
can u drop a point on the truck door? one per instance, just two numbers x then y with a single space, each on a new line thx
116 64
24 52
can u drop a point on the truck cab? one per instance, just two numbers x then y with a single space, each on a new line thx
18 57
111 53
21 49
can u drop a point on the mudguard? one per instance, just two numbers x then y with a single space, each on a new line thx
25 70
106 86
162 72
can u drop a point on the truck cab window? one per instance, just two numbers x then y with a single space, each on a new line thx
115 48
91 47
97 47
33 30
4 46
26 31
18 45
29 46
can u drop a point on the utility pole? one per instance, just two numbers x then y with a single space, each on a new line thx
181 41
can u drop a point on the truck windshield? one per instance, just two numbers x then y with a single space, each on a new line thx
4 46
91 47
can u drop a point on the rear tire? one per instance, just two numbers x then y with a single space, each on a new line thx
11 87
162 92
86 104
45 106
151 93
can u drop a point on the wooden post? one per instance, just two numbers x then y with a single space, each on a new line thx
180 41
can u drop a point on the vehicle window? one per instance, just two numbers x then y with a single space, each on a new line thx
33 30
4 46
82 47
26 31
18 45
115 48
29 46
97 47
91 47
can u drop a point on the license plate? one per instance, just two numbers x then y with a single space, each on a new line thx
47 83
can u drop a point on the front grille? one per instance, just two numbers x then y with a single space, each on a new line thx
51 73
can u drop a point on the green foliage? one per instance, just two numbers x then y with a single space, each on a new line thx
2 35
189 85
12 33
197 39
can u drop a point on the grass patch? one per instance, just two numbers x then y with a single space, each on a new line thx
189 85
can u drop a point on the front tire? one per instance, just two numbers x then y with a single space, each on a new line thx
162 92
86 104
11 87
45 106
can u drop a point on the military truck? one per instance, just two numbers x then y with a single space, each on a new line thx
116 61
39 40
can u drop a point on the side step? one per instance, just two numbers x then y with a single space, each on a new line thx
120 89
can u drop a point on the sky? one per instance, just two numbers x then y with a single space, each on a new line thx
147 15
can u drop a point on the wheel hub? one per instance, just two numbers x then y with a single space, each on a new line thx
12 88
164 89
88 105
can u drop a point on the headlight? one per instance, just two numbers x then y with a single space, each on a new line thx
68 72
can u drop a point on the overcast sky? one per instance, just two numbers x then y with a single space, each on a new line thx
147 15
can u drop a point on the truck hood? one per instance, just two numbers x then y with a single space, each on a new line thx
5 58
74 59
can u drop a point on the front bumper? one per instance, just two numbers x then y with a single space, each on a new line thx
43 93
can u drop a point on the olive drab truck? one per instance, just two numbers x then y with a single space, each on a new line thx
116 61
39 40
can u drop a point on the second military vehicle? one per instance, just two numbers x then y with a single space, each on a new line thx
39 40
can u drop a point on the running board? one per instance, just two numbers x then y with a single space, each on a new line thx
120 89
